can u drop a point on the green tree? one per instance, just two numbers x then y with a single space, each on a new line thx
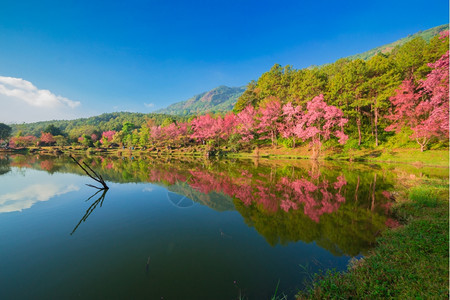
53 130
348 92
5 131
410 59
307 84
382 81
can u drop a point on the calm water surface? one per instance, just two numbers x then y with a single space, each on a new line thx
182 229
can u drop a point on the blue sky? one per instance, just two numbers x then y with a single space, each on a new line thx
66 59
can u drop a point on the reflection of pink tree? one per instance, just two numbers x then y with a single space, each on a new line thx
47 165
316 199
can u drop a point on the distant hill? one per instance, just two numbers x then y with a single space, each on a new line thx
103 122
220 99
427 35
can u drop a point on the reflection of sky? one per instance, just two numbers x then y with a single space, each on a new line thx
17 201
18 192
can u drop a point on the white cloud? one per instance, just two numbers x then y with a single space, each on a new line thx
34 193
149 105
21 101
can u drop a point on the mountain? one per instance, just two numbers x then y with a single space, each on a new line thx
426 35
220 99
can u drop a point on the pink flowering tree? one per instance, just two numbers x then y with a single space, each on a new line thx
269 116
245 123
107 137
206 128
47 138
291 115
22 141
424 108
319 123
229 124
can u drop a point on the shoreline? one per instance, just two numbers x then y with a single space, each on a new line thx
409 261
430 158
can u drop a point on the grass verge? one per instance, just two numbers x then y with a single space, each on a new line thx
409 262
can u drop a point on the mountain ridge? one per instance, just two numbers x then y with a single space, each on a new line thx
219 99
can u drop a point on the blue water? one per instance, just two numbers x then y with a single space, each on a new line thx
145 242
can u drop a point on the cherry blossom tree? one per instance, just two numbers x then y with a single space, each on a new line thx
228 125
269 115
292 115
22 141
107 136
206 127
47 138
319 123
246 123
425 107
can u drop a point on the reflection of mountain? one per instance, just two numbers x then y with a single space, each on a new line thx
26 197
216 201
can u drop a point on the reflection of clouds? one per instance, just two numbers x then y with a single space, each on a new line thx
34 193
148 189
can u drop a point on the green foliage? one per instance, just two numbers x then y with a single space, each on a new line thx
53 130
287 143
401 139
5 131
427 35
352 144
97 124
61 140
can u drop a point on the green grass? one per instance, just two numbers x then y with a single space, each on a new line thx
401 155
409 262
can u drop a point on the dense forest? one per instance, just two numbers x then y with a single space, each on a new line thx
394 99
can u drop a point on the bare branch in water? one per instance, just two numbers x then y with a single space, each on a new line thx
95 176
92 207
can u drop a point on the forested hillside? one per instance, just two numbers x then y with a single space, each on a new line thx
220 99
427 35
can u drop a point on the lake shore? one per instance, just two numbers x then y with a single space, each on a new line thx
438 158
410 261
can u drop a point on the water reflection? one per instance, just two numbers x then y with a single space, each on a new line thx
93 206
341 207
29 195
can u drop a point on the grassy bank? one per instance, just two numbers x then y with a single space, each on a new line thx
409 262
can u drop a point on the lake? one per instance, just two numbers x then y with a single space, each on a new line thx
185 228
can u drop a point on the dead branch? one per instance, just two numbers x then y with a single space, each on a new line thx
92 207
95 176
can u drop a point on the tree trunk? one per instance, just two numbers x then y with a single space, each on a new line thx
358 123
376 123
373 192
356 191
422 143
